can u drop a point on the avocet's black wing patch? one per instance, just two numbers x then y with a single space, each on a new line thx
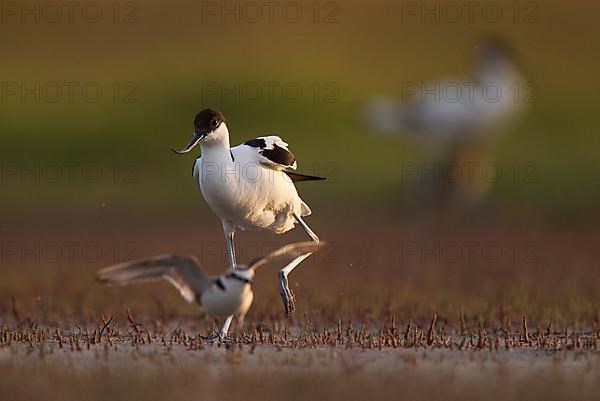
273 152
297 177
256 143
279 155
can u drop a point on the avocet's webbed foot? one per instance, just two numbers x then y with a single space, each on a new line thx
289 300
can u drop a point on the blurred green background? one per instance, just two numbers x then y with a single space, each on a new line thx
170 52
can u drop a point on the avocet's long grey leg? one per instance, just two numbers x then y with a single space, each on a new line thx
289 300
306 228
229 230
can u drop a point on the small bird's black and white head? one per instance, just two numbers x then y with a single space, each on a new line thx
241 273
209 125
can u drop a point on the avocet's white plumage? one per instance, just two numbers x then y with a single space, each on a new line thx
225 296
249 186
245 188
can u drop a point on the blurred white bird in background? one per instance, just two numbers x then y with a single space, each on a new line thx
458 122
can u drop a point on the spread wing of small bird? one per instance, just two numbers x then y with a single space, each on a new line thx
287 253
181 271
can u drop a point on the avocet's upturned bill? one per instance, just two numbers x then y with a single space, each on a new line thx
250 186
225 296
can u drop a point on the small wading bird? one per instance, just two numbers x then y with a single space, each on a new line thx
225 296
249 186
458 121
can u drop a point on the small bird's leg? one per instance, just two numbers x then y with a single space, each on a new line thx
225 328
289 300
222 336
229 230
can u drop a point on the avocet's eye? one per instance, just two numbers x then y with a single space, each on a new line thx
214 123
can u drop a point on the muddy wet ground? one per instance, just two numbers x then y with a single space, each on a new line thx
389 313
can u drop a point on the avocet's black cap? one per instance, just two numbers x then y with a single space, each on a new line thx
205 122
